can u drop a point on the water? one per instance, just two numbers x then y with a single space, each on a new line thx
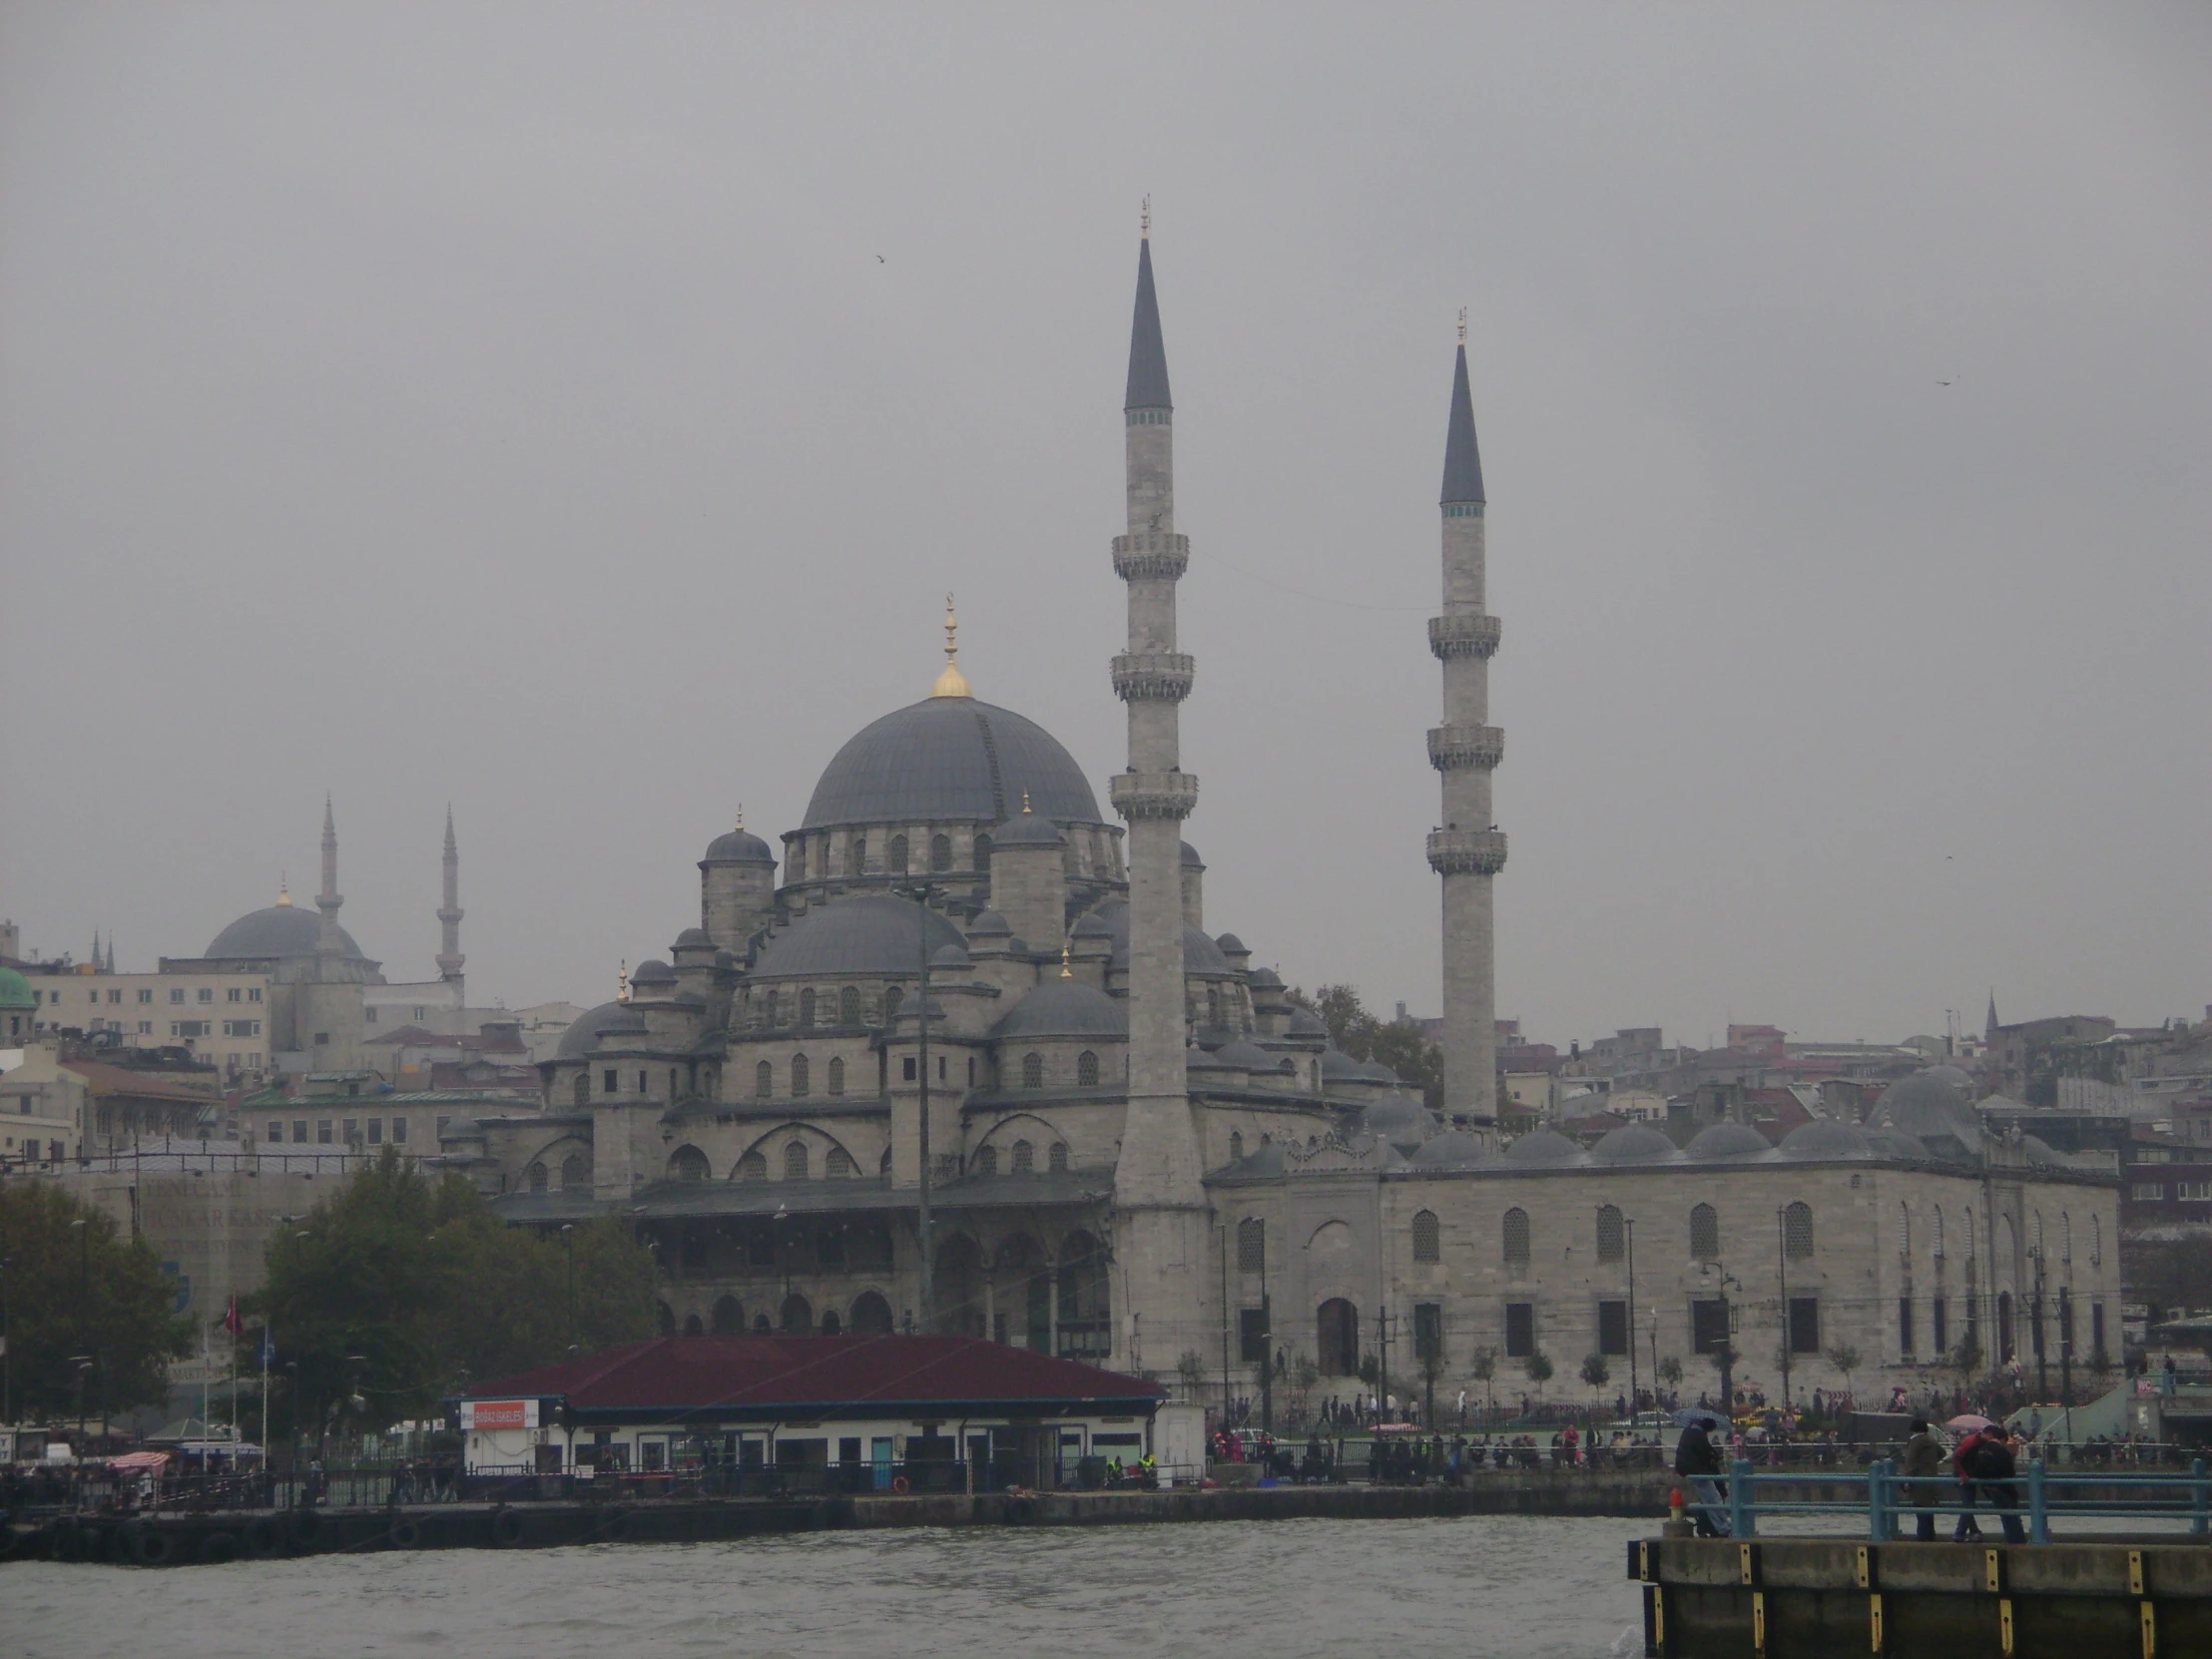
1507 1586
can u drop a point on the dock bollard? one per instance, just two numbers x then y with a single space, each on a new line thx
1678 1524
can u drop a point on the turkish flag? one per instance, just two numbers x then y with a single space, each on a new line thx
231 1321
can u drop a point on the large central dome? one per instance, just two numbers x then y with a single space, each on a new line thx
950 759
280 931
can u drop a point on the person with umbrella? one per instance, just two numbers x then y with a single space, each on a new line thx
1698 1461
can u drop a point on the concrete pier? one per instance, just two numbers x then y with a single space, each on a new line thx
1810 1598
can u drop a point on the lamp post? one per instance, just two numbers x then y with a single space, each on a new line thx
83 1226
1782 1275
1630 1322
2043 1362
922 894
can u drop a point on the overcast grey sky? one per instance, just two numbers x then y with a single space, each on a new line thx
579 413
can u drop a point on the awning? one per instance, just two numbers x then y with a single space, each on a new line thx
139 1460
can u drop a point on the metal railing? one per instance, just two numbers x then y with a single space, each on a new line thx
2028 1500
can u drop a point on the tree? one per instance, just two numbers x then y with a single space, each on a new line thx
400 1289
1298 1385
1191 1368
1398 1044
82 1291
1844 1358
1484 1371
1595 1372
1670 1370
1539 1368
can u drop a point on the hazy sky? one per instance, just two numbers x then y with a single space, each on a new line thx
579 414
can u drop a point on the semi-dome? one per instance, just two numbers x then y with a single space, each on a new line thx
608 1019
874 934
738 847
1825 1138
1727 1140
1453 1149
1543 1146
950 759
1063 1008
1632 1143
279 930
1200 954
1028 830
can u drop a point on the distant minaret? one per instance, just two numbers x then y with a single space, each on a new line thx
1468 849
1162 1235
449 913
327 900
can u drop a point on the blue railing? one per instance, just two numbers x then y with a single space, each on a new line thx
1889 1496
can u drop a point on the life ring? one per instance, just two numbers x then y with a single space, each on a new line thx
899 1487
150 1546
506 1528
218 1547
406 1534
264 1537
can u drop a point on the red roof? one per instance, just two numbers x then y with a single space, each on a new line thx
770 1376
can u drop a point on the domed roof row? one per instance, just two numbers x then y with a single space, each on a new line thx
1634 1144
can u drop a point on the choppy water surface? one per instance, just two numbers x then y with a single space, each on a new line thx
1527 1589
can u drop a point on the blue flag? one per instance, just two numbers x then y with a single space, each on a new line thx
269 1347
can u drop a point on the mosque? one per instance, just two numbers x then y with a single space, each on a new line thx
963 1056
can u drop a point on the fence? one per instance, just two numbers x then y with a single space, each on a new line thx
1884 1497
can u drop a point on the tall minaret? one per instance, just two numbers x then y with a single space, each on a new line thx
449 913
1163 1232
1468 849
327 942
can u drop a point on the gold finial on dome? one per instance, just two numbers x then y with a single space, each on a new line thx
622 981
283 890
1463 326
951 682
1025 800
741 814
1066 972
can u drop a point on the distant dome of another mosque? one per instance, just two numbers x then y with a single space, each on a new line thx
279 930
1727 1140
1632 1143
15 990
953 760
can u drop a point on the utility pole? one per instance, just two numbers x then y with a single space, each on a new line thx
83 1225
2042 1363
1630 1322
1782 1274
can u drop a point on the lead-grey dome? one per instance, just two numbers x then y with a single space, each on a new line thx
738 847
1338 1067
694 938
652 971
1727 1140
1249 1055
1230 946
873 936
1896 1143
990 925
1028 830
1453 1149
1063 1008
609 1018
1542 1148
1825 1138
1265 978
1191 859
1200 954
950 759
1930 1108
1304 1022
950 956
279 931
1398 1118
1632 1143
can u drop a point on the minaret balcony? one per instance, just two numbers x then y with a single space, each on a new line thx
1465 748
1463 636
1135 794
1154 554
1153 676
1466 852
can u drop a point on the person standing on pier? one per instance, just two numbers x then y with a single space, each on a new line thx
1697 1463
1923 1464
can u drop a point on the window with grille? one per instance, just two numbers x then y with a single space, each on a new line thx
941 852
752 1167
1023 1158
1059 1158
1516 1235
1428 1237
688 1164
795 1161
1796 1232
763 1078
1612 1236
849 1005
1935 1233
893 995
986 1160
840 1161
537 1177
806 1006
1428 1331
1032 1071
837 1077
982 858
1086 1070
856 856
895 857
1252 1245
2065 1237
2097 1241
802 1076
1705 1234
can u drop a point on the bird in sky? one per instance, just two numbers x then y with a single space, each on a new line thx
879 260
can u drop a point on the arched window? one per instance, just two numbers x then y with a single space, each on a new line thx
1059 1156
1904 1229
836 1076
1213 1004
692 1326
1032 1071
941 852
664 1317
1971 1241
1612 1234
849 1005
806 1006
1936 1231
2065 1238
764 1079
855 855
795 1161
839 1162
1086 1070
893 995
1796 1232
729 1316
575 1172
1516 1235
2097 1241
769 1010
896 857
870 1316
582 1087
537 1177
986 1160
1705 1234
982 853
2036 1232
1236 1145
752 1166
1025 1158
798 1315
1252 1245
1428 1237
802 1077
760 1326
688 1163
1312 1075
830 1326
1337 1325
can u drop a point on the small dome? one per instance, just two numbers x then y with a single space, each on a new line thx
1826 1139
1191 859
738 847
2039 1151
1453 1149
1063 1008
609 1018
694 938
1230 946
873 936
1200 954
1196 1058
990 925
279 931
15 990
1304 1022
1026 829
1896 1143
950 956
1396 1117
1263 979
1338 1067
1542 1148
1247 1055
1932 1108
1091 926
1728 1140
1632 1143
652 972
1374 1071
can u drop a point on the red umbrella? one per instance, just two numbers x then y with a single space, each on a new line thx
1968 1420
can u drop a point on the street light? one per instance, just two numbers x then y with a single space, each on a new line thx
1782 1271
921 893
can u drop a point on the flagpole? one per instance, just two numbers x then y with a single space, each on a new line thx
265 1399
207 1362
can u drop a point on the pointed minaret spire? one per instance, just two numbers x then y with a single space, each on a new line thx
449 912
1463 458
1148 356
327 942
